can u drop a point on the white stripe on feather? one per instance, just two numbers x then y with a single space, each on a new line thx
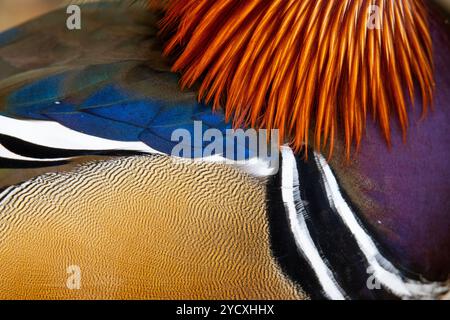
291 193
383 269
54 135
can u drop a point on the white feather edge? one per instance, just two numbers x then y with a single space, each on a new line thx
290 193
54 135
383 270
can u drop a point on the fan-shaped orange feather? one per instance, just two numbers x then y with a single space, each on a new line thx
312 69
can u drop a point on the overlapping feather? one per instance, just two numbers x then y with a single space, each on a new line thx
308 68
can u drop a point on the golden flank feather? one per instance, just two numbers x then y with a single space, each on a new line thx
313 69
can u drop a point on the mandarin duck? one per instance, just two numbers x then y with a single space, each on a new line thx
352 203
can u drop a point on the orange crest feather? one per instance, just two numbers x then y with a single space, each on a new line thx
308 68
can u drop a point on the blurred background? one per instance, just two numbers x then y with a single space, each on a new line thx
14 12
